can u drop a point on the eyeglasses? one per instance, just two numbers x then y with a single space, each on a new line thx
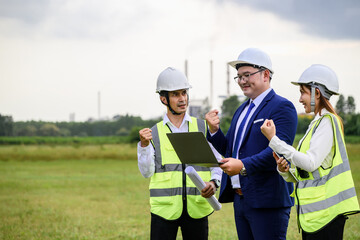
245 77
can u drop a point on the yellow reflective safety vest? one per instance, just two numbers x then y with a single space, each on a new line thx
322 195
170 187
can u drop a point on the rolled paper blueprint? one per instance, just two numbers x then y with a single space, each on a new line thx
200 184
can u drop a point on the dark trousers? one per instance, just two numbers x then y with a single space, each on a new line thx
260 223
162 229
333 230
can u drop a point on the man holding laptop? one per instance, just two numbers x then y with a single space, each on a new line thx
175 202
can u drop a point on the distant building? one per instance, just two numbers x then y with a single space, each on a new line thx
102 119
72 117
198 107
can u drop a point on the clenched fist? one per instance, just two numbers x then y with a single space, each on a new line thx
213 120
145 136
268 129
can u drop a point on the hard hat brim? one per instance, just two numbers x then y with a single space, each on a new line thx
234 63
298 84
170 89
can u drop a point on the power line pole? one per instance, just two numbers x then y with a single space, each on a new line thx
99 105
211 83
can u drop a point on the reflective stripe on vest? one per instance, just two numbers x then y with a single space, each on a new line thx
326 193
166 185
173 191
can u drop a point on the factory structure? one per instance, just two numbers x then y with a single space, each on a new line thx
197 107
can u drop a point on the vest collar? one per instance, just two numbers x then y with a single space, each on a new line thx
318 116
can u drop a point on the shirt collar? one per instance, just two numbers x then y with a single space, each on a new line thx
323 112
261 97
187 118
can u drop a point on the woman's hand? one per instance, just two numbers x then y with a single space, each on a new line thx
268 129
282 164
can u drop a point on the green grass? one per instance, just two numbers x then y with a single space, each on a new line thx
66 152
88 199
100 196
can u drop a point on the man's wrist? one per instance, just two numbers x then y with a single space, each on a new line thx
216 182
144 144
213 133
243 171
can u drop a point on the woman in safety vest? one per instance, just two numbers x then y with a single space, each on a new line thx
324 189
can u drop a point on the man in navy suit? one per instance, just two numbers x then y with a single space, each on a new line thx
261 197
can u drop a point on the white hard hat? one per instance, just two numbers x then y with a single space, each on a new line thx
320 74
171 79
253 57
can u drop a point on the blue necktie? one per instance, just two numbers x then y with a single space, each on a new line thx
240 130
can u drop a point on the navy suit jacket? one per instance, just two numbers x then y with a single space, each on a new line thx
263 187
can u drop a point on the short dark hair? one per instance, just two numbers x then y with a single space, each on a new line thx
163 93
237 66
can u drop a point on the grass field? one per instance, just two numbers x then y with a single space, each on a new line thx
96 192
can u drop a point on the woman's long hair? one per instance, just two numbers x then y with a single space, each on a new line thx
325 103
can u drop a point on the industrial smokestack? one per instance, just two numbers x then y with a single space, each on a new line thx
211 83
99 106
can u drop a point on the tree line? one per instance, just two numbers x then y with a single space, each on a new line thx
119 125
126 125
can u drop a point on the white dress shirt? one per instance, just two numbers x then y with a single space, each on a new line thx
320 152
235 180
146 155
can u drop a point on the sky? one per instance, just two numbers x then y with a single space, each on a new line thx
56 56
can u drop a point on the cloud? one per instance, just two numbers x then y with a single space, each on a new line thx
30 12
66 51
326 18
74 19
331 19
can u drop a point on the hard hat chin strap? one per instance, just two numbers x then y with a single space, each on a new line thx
170 108
312 102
